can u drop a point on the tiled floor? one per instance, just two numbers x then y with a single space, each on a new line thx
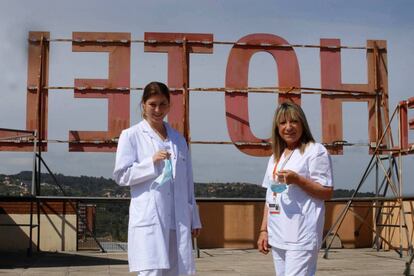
211 262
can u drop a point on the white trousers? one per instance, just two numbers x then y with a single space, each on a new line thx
172 257
294 262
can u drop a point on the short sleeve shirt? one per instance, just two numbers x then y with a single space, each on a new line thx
299 224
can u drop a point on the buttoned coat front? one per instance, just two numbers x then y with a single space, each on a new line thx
150 207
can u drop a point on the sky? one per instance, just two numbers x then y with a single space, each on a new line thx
298 22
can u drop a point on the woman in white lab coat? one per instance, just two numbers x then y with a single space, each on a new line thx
298 180
153 159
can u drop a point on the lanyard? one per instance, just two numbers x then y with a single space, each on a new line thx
283 164
274 207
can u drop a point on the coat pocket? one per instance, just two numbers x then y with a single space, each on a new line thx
142 212
297 230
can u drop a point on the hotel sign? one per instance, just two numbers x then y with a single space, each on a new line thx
179 47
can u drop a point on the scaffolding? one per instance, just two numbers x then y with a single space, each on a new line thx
384 207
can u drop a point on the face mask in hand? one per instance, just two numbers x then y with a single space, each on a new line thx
276 186
166 174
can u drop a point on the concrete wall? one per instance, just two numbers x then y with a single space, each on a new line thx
235 224
353 233
229 223
226 223
58 230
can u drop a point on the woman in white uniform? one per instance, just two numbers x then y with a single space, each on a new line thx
153 159
298 180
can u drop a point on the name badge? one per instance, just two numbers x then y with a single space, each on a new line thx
274 209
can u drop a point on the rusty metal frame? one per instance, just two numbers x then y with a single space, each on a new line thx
203 43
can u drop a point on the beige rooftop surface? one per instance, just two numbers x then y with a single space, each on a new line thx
211 262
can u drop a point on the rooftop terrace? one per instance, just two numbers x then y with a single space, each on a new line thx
211 262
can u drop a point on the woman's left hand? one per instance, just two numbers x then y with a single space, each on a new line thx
288 177
195 232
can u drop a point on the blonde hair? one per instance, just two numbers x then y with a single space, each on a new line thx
289 111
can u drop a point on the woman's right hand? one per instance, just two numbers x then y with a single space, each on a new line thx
262 242
160 155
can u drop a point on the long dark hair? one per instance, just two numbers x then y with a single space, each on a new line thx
289 111
152 89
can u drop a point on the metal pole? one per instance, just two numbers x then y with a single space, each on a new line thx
401 214
403 219
38 224
30 248
186 96
377 123
40 136
377 210
33 188
33 193
399 185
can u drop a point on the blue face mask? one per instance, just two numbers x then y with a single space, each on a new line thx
277 187
166 174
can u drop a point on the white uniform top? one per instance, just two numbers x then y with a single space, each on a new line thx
299 225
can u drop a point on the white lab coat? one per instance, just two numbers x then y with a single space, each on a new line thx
150 208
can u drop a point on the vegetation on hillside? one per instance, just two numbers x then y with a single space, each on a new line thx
111 219
19 185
